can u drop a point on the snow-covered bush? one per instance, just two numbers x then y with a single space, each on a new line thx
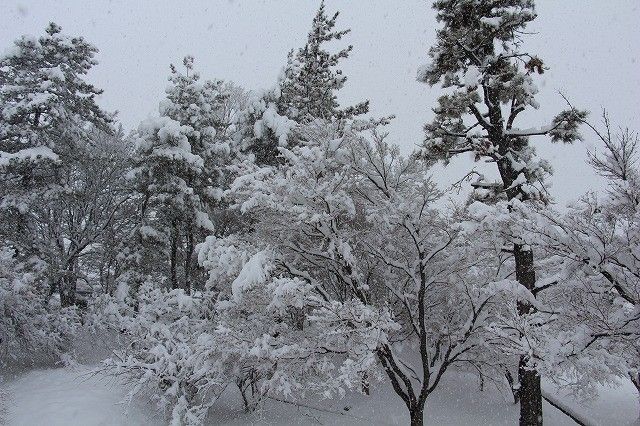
168 350
31 326
275 325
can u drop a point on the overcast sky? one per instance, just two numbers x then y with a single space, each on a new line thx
591 47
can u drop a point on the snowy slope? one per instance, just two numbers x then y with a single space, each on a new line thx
69 397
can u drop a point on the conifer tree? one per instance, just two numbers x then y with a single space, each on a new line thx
306 91
48 118
479 59
45 101
311 80
177 168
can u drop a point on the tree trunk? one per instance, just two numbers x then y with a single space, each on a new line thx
530 395
68 287
364 384
529 392
417 415
187 259
174 254
635 379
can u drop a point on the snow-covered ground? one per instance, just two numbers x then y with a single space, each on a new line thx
72 396
66 396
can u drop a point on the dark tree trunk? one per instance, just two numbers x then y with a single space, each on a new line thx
69 279
173 258
364 383
36 118
635 379
298 316
68 287
530 395
530 392
403 387
417 415
187 259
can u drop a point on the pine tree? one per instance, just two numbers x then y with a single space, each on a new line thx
45 103
177 168
478 59
306 91
311 81
47 122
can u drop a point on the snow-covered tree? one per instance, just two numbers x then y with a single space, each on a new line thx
56 195
350 274
346 275
311 80
307 90
46 104
264 129
69 230
489 81
592 252
178 169
103 203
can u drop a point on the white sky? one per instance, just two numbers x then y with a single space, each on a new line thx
590 45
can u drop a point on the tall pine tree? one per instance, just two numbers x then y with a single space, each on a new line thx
48 117
311 78
306 91
177 169
45 103
478 59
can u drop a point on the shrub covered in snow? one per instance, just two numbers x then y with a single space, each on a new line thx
168 350
31 325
